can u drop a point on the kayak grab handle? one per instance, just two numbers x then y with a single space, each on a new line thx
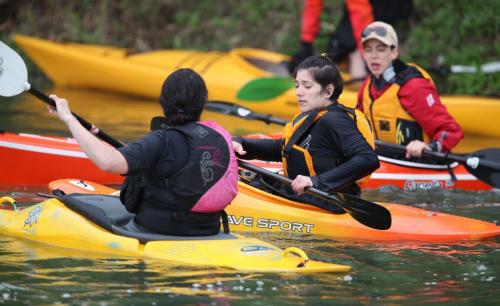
8 200
299 252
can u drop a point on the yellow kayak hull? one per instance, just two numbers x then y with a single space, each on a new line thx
113 69
226 74
52 223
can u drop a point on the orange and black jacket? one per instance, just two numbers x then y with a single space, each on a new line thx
339 153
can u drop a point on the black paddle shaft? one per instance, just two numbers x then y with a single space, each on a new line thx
229 108
368 213
87 125
483 164
473 160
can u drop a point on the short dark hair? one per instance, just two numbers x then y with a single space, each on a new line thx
323 71
183 97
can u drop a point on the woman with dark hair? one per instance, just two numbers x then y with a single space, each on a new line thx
327 145
179 178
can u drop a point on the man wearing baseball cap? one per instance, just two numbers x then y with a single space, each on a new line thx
400 99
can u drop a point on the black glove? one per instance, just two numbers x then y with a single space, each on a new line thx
306 50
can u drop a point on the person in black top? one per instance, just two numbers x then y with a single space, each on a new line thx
179 178
322 146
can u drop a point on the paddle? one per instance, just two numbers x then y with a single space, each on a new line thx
483 164
487 68
368 213
232 109
14 80
444 70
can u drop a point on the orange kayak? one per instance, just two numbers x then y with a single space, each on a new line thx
256 211
41 159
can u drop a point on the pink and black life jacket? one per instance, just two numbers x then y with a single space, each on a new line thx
201 189
208 182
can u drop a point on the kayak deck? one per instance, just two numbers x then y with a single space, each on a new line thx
52 222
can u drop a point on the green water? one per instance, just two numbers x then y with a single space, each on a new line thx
464 273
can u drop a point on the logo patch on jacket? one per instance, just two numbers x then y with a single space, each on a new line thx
200 131
430 100
305 144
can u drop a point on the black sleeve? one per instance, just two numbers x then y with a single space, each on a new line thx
359 157
263 149
146 154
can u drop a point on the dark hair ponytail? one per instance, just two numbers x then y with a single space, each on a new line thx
183 96
324 71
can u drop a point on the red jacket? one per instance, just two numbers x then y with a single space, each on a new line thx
420 99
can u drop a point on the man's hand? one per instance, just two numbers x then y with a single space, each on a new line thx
415 148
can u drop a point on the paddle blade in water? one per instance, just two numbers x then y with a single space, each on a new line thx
263 89
488 169
13 72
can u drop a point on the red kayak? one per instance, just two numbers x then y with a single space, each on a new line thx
37 160
411 176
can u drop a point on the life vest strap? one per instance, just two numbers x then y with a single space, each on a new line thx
225 221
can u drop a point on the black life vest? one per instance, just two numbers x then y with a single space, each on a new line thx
198 192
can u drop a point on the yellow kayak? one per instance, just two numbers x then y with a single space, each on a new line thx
142 74
253 78
100 224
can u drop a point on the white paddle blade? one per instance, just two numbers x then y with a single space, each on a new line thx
13 72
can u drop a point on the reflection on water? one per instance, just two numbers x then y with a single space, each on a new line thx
404 273
389 274
484 205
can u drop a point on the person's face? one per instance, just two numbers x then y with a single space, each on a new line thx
378 56
310 94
